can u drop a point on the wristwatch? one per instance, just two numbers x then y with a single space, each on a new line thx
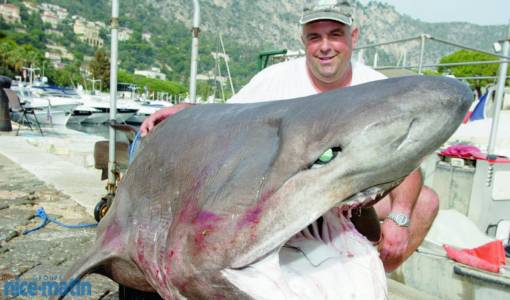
400 219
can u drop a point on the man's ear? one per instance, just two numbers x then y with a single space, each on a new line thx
354 36
302 37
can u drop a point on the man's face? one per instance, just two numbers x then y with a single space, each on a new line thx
328 46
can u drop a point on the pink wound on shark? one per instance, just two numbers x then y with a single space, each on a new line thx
252 215
205 224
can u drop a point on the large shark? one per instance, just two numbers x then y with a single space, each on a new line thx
222 201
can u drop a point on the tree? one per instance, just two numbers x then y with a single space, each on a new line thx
99 68
156 85
470 70
67 76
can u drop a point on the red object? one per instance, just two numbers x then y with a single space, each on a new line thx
467 117
462 151
488 257
471 152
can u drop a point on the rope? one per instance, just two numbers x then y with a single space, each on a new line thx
46 219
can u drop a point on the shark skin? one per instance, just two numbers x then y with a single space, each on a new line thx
220 188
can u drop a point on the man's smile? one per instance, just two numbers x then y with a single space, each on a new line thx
326 59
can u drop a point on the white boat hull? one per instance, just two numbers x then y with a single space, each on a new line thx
45 118
103 117
54 118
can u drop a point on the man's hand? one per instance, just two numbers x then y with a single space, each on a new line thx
393 248
393 245
150 122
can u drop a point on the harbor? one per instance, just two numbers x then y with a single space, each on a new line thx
54 169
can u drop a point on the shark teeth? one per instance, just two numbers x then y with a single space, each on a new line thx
370 195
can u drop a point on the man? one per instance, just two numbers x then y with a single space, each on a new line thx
329 37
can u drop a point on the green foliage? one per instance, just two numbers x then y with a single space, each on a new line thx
156 85
91 9
169 48
14 57
472 70
67 76
431 73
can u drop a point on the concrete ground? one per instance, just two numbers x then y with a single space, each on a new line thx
62 158
55 172
46 254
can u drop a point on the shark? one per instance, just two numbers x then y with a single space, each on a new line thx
252 201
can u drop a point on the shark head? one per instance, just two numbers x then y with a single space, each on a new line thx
376 134
218 189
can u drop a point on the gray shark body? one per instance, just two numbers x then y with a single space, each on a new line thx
216 189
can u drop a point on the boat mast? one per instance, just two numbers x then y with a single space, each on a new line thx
217 79
226 64
31 70
112 168
500 92
194 52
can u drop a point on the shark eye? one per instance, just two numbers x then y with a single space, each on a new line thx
326 157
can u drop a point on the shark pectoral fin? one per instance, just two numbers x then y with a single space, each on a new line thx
105 261
86 265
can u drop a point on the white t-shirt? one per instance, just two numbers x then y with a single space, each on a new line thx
290 79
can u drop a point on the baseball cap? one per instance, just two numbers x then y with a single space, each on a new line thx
336 10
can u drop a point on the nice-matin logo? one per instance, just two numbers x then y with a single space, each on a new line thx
46 286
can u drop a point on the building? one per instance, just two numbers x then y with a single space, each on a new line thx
59 12
210 76
99 25
92 40
10 13
64 53
88 32
146 37
50 18
31 6
81 26
54 32
125 34
154 73
224 56
56 54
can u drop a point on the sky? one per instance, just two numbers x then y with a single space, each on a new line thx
485 12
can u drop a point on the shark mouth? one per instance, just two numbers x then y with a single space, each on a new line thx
328 259
371 195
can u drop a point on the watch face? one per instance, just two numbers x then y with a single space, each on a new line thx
400 219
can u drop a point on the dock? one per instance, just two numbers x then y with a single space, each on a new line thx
62 158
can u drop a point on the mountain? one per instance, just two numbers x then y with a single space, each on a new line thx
267 23
249 27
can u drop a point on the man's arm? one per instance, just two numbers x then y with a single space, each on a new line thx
395 238
151 121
